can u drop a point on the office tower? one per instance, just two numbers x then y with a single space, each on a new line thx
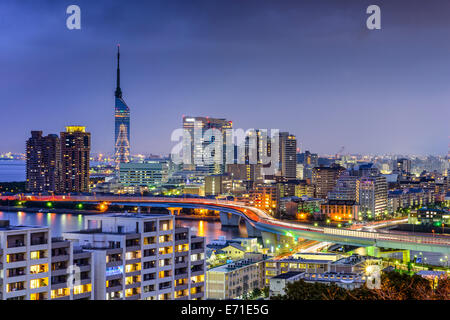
24 262
75 150
43 163
143 257
195 128
133 176
325 179
287 155
347 188
122 123
373 197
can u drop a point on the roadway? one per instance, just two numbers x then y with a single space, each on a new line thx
263 222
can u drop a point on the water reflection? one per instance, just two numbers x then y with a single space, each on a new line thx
69 222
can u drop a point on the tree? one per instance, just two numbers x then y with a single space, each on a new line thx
266 292
256 293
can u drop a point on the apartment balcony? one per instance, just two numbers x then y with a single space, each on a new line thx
84 267
16 263
197 262
81 255
197 273
196 251
111 251
133 248
86 280
181 287
197 284
136 296
181 254
165 244
114 277
19 277
60 258
165 232
114 263
61 298
181 241
114 288
38 242
133 285
165 256
38 275
16 249
183 264
59 272
59 285
198 295
185 297
133 273
14 244
133 261
182 275
84 295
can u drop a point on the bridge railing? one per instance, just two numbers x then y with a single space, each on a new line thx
117 198
388 236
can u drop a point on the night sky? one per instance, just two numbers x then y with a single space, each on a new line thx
308 67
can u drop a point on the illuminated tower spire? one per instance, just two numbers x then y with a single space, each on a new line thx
122 123
118 92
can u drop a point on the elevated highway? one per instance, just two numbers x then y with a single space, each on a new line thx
259 223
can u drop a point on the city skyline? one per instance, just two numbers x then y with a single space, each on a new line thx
226 62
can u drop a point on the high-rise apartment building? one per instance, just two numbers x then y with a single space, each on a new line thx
75 151
287 155
121 123
373 197
325 179
142 257
43 163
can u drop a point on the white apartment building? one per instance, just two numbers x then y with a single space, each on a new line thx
24 262
138 256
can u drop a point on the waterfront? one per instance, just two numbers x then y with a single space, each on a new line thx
12 170
62 222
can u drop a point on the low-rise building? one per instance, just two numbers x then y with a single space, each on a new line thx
233 280
340 210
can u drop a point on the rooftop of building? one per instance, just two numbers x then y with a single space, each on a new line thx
354 259
6 226
341 202
236 265
129 215
301 260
